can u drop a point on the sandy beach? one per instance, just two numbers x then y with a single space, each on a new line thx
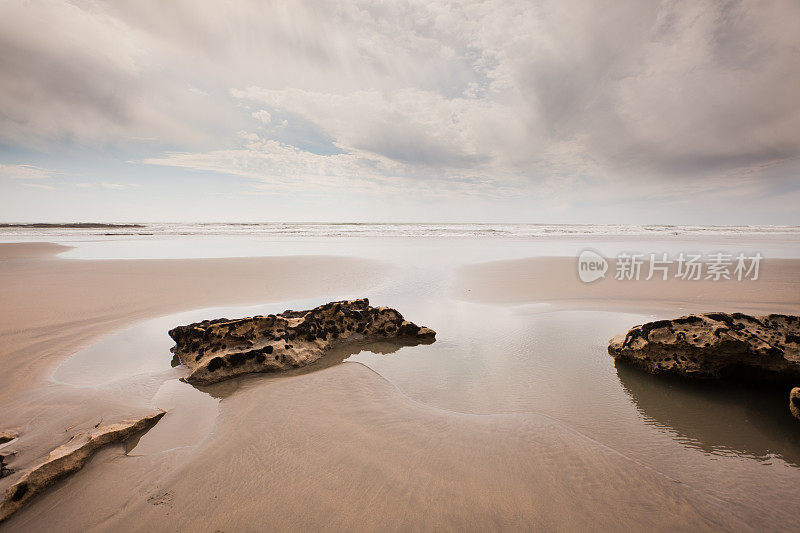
335 265
359 445
52 307
553 279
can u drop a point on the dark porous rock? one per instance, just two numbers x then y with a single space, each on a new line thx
715 345
215 350
794 402
6 436
4 470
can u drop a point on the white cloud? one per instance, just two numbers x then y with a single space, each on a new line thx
663 84
117 186
407 125
39 186
278 167
503 97
263 116
282 166
24 172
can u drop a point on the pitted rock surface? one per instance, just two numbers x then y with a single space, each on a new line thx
6 436
4 470
715 345
219 349
794 402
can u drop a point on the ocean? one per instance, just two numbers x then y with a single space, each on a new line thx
521 231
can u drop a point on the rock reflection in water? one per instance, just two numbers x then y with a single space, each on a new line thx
716 417
193 409
335 356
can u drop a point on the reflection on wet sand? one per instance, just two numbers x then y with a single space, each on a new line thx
193 409
718 418
121 363
335 356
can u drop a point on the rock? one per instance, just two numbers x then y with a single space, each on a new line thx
4 470
216 350
68 459
6 436
715 345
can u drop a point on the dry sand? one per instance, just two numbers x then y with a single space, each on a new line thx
334 449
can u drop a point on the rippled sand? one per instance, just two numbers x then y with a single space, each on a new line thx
343 449
515 418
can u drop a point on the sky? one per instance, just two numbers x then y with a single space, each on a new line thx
553 111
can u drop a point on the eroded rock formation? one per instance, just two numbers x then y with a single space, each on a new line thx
4 470
715 345
215 350
68 459
5 437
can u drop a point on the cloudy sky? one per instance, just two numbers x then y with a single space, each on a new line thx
524 111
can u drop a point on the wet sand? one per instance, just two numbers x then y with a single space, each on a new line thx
51 307
335 448
343 450
554 280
